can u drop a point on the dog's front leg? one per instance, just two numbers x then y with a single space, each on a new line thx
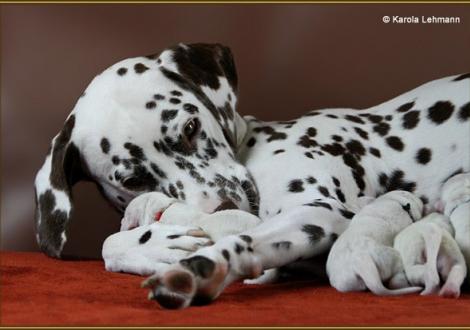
287 237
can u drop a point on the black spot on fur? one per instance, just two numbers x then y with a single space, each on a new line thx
105 145
340 195
296 186
347 214
121 71
375 152
363 134
157 170
175 100
173 236
308 155
332 116
158 97
246 238
199 266
376 119
320 204
173 191
440 112
315 233
411 119
396 181
145 237
311 131
336 182
150 105
135 151
311 180
140 180
324 191
176 93
226 254
462 77
334 149
354 119
395 143
405 107
278 151
355 147
168 115
382 128
190 108
337 138
464 112
273 134
238 248
140 68
306 142
423 156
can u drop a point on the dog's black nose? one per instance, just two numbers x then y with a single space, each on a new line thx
226 205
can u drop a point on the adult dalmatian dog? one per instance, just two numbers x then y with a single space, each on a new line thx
164 127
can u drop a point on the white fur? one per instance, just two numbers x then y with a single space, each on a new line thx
363 256
429 252
456 201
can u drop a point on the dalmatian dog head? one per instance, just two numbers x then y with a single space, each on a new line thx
164 122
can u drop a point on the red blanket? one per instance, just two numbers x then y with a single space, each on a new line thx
37 290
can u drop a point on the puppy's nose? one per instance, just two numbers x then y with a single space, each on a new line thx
226 205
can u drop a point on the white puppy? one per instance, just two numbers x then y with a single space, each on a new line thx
428 250
363 256
455 201
138 249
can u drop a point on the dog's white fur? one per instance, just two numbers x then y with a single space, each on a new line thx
126 257
428 250
363 256
456 202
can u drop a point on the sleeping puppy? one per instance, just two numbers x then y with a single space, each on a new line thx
363 256
428 251
144 246
455 202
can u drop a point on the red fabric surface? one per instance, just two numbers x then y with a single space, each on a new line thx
37 290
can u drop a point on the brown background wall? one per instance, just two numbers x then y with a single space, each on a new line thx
290 59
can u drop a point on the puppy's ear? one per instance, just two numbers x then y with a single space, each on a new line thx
60 171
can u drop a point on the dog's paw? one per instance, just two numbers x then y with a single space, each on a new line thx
202 276
144 209
151 249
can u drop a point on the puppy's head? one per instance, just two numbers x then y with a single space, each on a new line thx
408 202
158 123
454 191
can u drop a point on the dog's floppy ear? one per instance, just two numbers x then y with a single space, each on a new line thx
204 64
60 171
211 70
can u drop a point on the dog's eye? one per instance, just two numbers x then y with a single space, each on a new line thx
191 129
